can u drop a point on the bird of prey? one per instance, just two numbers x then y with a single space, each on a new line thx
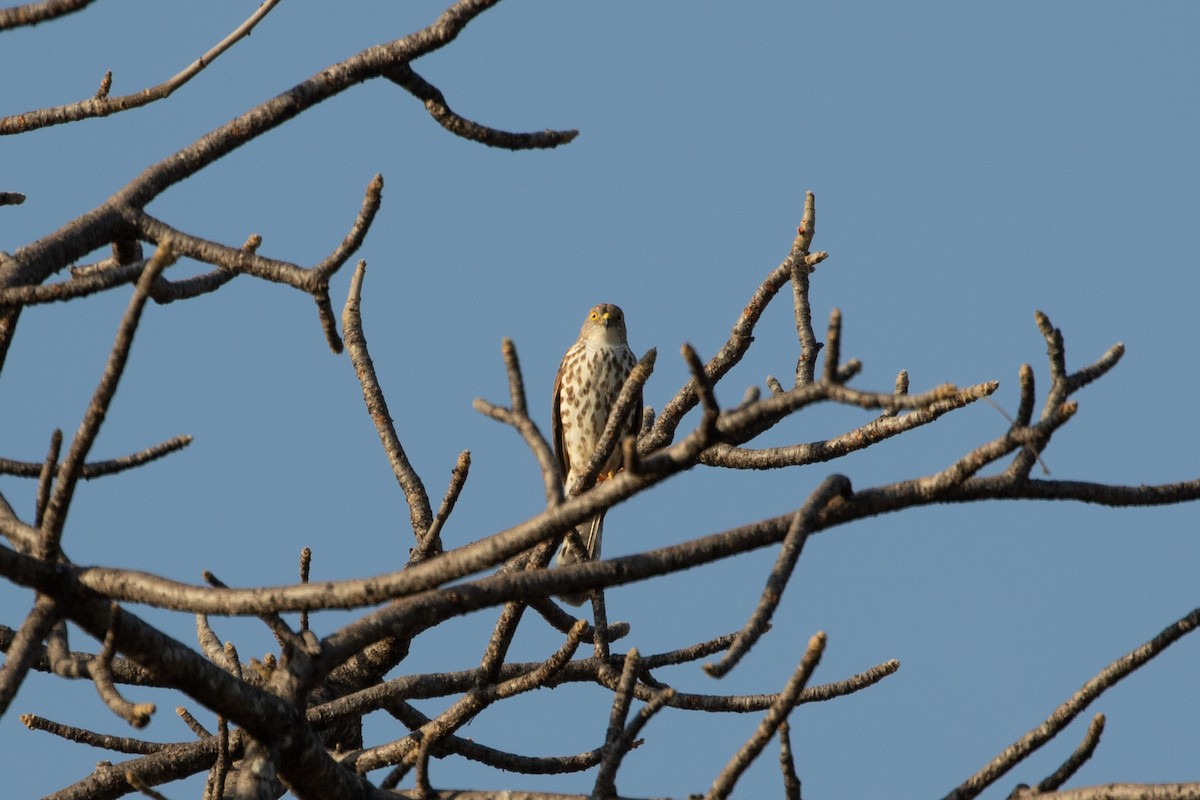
585 390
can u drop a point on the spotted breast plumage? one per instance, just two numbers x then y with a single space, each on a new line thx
589 379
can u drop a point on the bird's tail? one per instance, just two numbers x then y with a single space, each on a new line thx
590 534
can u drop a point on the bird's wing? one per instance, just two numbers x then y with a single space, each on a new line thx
556 427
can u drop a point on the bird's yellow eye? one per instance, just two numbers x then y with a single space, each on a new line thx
594 315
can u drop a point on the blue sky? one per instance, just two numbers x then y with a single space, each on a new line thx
971 164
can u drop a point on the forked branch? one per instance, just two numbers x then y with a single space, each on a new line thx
101 105
1065 713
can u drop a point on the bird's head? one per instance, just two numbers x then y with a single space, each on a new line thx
605 323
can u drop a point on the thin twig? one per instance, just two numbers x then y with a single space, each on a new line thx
33 13
431 542
627 740
421 768
799 271
100 469
833 347
192 723
420 514
117 744
393 692
1025 379
781 573
21 652
1079 756
220 769
1057 356
605 785
886 426
435 103
562 622
600 649
1062 716
305 566
552 477
499 642
1127 791
136 714
512 614
901 389
726 358
1031 448
776 715
210 644
58 652
469 706
69 472
349 245
233 664
231 261
284 635
46 477
490 756
787 764
710 411
1082 377
102 105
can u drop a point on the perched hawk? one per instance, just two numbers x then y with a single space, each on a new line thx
589 379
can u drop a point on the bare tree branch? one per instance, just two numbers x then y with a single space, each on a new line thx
1079 756
71 469
435 103
102 105
295 721
622 697
468 707
1127 791
426 686
215 785
33 13
170 763
46 476
136 714
118 744
622 737
887 426
431 542
509 762
519 419
419 511
785 563
192 723
99 469
1062 716
800 268
36 262
791 783
774 717
21 650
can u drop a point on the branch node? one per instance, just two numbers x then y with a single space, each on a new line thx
136 714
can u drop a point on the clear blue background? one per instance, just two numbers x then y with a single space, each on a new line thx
972 163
